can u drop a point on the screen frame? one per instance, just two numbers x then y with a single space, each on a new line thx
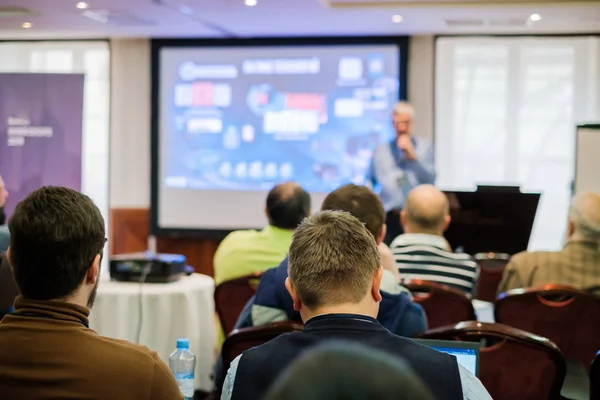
156 45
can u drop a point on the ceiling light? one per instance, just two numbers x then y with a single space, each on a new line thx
26 25
82 5
250 3
397 18
535 17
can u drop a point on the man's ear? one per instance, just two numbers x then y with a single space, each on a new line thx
94 271
570 229
381 236
447 220
295 299
377 284
403 218
8 257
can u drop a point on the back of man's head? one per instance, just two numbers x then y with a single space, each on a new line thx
55 235
333 260
426 210
361 203
287 205
584 214
348 371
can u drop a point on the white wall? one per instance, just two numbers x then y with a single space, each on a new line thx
130 113
130 123
421 82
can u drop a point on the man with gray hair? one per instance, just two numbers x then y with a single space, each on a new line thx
400 165
577 264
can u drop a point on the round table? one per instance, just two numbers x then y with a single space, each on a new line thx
168 311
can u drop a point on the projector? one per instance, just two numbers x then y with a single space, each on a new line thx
147 267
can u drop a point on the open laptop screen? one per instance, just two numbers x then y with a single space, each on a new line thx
466 353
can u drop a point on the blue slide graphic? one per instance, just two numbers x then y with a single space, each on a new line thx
248 118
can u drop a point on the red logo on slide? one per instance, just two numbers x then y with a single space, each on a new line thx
203 94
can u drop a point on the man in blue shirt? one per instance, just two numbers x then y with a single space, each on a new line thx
399 166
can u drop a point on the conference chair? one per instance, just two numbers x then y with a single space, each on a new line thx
243 339
595 378
231 297
567 316
513 364
443 305
491 268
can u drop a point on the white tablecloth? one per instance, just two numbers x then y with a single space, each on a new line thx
169 311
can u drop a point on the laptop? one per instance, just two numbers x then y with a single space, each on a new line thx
466 353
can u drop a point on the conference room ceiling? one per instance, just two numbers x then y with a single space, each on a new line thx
47 19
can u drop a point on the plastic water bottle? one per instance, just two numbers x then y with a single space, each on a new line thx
183 363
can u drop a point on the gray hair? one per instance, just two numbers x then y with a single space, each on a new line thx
404 107
585 214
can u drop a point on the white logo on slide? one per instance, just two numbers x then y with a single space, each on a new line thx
350 68
187 71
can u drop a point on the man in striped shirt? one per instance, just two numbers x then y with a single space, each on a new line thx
422 252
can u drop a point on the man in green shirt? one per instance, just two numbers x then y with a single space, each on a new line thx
247 251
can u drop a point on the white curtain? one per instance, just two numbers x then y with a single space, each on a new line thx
93 59
505 114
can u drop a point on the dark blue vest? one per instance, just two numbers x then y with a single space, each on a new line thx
259 367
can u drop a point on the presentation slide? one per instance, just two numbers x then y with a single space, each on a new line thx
235 121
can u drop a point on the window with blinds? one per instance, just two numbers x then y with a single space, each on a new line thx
505 114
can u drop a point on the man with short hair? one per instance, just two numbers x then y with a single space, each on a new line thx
422 252
247 251
3 197
397 312
334 277
577 264
400 165
47 350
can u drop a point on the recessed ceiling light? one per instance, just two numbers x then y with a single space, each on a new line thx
250 3
397 18
82 5
535 17
26 25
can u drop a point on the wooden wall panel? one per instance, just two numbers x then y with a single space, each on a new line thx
129 231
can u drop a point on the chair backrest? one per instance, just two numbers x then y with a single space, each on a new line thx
595 378
231 297
241 340
491 268
565 315
8 287
444 305
513 364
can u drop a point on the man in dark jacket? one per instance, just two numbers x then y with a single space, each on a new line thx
334 281
397 312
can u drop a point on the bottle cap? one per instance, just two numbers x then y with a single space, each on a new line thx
183 343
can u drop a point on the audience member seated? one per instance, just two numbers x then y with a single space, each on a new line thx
422 252
3 197
334 280
348 371
247 251
47 350
4 238
577 264
397 312
8 288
